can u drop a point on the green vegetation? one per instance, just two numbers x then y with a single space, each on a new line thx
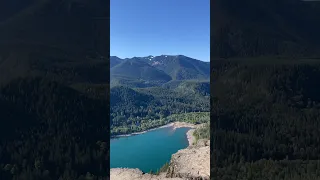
202 132
146 124
181 67
155 71
140 109
164 168
266 119
137 69
144 96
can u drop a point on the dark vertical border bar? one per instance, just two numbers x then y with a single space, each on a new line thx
102 45
213 120
54 89
265 123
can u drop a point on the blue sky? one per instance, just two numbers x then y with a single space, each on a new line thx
160 27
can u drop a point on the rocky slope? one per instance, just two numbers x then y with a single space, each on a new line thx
196 157
136 174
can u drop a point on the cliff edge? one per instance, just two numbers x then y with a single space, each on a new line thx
191 163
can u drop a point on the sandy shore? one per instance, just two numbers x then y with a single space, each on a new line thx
175 125
190 137
182 124
142 132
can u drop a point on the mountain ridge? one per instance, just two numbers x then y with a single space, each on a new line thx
157 70
151 56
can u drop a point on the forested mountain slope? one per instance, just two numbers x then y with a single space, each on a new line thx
139 70
139 109
153 71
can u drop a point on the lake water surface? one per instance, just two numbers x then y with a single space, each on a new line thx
148 151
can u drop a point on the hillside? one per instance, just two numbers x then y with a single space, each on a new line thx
181 67
265 28
153 71
114 60
134 110
139 70
194 88
144 93
123 96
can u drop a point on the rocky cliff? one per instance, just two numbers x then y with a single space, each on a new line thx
191 163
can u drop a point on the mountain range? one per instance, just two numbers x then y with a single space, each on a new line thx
156 70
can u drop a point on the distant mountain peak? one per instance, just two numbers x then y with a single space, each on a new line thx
150 57
177 67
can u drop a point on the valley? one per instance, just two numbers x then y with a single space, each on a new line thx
176 91
137 108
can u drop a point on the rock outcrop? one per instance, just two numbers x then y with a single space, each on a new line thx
191 163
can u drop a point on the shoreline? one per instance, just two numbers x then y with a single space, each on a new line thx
175 125
141 132
128 173
190 136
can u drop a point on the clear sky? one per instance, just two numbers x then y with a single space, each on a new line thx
160 27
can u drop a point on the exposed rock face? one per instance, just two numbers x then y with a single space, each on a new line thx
192 163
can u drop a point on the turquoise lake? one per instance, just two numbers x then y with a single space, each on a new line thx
148 151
